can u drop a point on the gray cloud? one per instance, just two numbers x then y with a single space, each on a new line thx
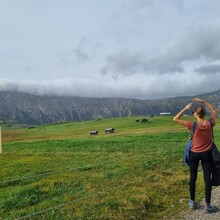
162 65
209 69
202 42
136 4
80 52
122 63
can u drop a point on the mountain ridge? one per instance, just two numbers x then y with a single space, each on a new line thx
25 108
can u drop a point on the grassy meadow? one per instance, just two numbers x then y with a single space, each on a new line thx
60 171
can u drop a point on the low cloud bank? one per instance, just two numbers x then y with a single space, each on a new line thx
141 87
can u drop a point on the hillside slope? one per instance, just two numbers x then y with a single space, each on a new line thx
31 109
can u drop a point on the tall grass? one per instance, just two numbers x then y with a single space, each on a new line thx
129 176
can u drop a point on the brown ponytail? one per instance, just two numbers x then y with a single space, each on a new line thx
200 111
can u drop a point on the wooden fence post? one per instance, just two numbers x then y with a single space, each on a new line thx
0 140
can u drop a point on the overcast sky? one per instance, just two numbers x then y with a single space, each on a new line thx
110 48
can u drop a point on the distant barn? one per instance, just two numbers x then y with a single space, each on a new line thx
109 130
93 132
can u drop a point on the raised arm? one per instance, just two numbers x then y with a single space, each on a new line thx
210 106
179 115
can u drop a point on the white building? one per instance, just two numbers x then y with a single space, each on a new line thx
165 113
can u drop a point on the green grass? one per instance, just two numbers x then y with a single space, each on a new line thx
69 130
61 172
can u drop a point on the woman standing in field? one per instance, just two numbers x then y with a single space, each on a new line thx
201 149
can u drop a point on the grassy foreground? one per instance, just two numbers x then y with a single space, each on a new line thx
61 172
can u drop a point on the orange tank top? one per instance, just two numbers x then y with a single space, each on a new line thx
202 138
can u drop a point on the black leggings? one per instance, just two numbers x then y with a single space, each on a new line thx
207 162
